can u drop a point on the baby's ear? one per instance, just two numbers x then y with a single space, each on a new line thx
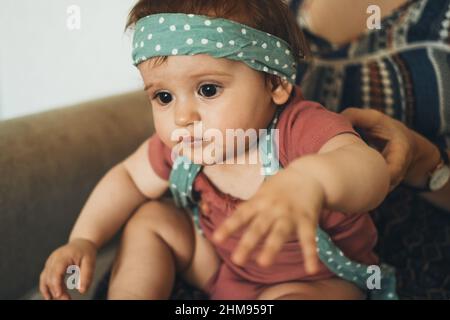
281 92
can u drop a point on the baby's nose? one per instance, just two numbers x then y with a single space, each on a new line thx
186 115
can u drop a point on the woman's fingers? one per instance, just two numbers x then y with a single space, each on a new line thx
396 156
242 215
363 118
398 149
257 229
276 238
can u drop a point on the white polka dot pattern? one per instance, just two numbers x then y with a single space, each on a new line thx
171 34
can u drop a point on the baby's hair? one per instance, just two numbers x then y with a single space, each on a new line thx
271 16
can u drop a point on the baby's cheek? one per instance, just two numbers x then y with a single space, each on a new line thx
164 129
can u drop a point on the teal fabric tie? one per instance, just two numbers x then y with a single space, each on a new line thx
172 34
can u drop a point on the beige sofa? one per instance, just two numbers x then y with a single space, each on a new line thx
49 163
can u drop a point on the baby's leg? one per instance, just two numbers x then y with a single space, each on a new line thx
158 241
328 289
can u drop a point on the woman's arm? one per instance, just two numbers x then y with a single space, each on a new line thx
409 155
354 176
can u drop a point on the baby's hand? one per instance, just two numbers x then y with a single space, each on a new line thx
287 203
79 252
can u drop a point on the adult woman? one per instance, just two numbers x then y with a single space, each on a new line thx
399 77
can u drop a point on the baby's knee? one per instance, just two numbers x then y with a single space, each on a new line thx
163 221
155 213
163 218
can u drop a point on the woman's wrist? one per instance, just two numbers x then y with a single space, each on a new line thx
426 158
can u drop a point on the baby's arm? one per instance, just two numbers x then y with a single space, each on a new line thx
126 186
117 195
354 177
345 175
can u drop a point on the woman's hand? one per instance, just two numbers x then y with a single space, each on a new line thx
79 252
283 207
408 155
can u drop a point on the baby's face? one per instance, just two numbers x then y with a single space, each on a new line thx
218 93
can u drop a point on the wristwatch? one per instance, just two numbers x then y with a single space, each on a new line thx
438 177
441 174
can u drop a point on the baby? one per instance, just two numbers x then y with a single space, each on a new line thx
291 225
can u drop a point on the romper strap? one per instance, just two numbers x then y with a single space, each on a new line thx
181 180
378 281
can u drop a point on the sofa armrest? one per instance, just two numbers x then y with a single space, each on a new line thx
49 164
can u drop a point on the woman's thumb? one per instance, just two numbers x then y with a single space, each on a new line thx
363 118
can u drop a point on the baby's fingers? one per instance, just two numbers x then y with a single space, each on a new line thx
87 272
239 218
274 241
306 233
43 288
250 239
55 279
65 296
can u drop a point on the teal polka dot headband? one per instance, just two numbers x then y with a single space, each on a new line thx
171 34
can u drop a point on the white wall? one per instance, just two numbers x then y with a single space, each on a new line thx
44 64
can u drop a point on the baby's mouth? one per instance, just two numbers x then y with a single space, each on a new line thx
190 139
195 142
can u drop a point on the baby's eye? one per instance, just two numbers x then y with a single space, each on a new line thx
163 97
209 90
